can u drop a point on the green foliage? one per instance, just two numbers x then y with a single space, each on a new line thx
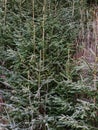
36 47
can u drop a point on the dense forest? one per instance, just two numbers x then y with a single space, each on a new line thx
46 81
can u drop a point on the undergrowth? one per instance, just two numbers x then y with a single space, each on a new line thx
40 83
